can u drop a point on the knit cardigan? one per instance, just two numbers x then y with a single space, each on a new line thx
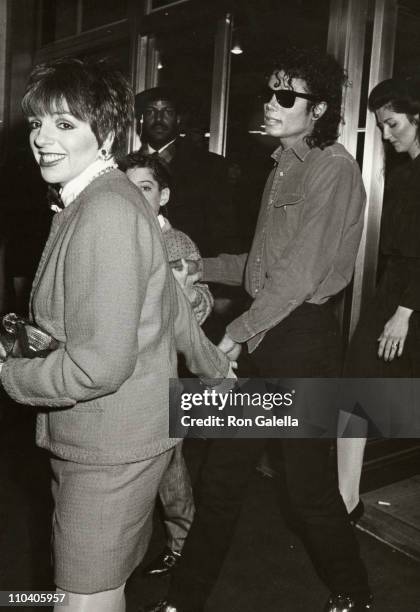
105 291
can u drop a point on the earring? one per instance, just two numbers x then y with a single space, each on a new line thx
104 154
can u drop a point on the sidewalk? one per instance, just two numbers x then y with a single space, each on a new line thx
267 569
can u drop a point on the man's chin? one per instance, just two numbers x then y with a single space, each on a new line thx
273 130
159 140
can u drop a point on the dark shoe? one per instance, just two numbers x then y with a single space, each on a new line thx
356 514
163 563
346 603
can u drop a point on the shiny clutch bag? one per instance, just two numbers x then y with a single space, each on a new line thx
22 338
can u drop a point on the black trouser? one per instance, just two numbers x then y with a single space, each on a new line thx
306 344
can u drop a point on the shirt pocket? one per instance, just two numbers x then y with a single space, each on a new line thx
289 198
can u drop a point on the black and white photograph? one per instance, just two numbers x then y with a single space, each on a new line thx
210 305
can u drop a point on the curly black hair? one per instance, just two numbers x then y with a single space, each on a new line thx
93 92
325 79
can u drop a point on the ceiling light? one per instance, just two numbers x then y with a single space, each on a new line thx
237 49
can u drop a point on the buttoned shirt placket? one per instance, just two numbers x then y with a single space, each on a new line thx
283 161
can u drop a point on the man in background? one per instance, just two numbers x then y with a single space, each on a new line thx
200 204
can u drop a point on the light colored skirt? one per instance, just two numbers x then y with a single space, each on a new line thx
102 521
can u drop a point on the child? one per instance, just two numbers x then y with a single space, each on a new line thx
151 176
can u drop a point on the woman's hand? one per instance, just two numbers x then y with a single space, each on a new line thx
392 339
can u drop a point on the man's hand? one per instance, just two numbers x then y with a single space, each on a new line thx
231 348
392 339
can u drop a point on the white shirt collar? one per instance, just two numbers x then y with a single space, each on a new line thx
73 188
151 150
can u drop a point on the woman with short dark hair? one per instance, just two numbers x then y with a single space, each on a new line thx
105 292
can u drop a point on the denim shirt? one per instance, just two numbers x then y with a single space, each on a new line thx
306 239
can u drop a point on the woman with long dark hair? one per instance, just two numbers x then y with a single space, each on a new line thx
386 343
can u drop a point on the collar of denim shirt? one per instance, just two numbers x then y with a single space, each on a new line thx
300 149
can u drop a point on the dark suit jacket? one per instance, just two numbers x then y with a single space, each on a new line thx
201 203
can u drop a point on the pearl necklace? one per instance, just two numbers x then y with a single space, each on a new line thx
97 175
70 193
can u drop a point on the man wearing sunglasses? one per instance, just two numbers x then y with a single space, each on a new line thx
303 254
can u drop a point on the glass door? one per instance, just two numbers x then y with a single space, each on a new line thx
261 30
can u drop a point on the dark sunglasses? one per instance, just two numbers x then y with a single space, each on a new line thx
285 97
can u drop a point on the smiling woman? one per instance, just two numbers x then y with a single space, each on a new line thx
105 292
62 145
101 98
